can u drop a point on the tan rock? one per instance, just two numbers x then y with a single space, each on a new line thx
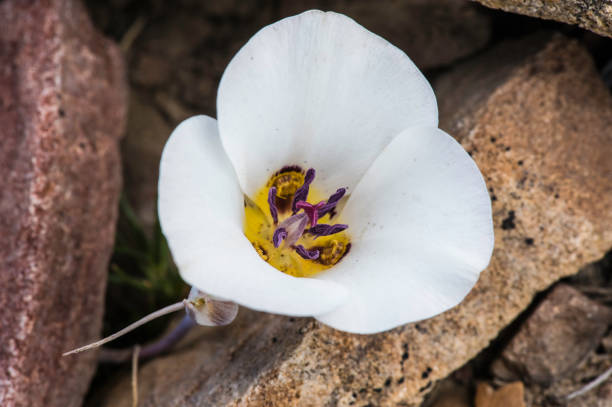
62 111
592 15
511 395
539 130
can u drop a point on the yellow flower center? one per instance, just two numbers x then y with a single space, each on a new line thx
305 252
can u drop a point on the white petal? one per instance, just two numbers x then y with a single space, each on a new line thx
421 227
317 90
201 214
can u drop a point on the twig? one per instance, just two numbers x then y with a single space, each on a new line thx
131 34
589 289
161 312
135 376
152 349
600 379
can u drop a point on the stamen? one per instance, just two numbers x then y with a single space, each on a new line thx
302 193
272 204
307 254
287 234
280 234
311 210
332 201
325 230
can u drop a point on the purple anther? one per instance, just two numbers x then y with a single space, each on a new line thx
280 234
325 230
307 254
311 210
332 201
272 204
302 193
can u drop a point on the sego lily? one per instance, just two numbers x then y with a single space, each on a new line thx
325 188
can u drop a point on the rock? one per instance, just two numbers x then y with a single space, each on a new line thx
594 281
604 394
62 110
538 127
150 122
177 61
592 15
241 8
560 332
448 393
146 134
433 34
511 395
593 365
606 343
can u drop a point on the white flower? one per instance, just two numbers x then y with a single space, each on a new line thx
319 91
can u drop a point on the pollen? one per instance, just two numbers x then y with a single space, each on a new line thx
290 232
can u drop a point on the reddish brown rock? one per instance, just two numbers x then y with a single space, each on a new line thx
591 367
62 110
537 123
511 395
560 332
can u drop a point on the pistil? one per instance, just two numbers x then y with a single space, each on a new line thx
311 210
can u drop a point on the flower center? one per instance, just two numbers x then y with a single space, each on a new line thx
290 232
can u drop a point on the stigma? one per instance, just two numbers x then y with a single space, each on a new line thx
291 226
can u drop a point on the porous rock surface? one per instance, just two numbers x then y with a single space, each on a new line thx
62 110
539 131
594 15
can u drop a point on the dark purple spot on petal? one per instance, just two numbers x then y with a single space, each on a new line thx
272 204
289 168
280 234
307 254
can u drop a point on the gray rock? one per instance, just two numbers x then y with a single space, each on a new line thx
592 15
